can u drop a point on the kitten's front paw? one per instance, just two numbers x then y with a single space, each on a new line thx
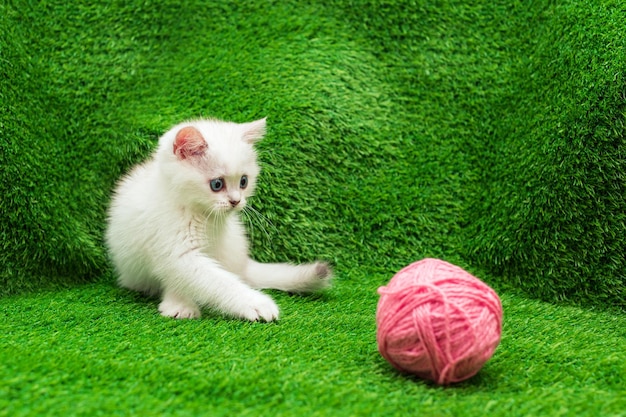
318 277
178 310
261 307
323 271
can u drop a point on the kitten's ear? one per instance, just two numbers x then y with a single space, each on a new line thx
254 131
189 143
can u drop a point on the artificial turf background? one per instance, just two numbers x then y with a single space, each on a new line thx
489 134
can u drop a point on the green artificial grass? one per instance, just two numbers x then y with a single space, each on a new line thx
554 166
99 350
489 134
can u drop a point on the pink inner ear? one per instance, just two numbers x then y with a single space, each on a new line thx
189 143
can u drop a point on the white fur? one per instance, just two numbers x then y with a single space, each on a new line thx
170 234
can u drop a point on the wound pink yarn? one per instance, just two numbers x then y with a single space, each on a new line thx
437 321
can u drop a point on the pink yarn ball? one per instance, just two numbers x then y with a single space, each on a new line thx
437 321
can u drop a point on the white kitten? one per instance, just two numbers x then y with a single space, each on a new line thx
174 226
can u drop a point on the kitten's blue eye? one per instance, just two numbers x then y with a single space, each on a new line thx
243 183
217 184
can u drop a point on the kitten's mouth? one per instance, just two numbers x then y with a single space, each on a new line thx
231 208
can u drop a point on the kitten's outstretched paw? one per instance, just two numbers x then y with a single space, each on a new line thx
261 308
177 310
319 277
323 270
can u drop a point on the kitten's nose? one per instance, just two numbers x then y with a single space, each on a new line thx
234 203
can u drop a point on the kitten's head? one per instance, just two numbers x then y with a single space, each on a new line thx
210 164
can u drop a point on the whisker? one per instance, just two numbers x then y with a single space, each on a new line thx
212 218
245 216
261 221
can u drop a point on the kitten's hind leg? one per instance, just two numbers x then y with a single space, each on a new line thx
139 280
177 306
287 277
